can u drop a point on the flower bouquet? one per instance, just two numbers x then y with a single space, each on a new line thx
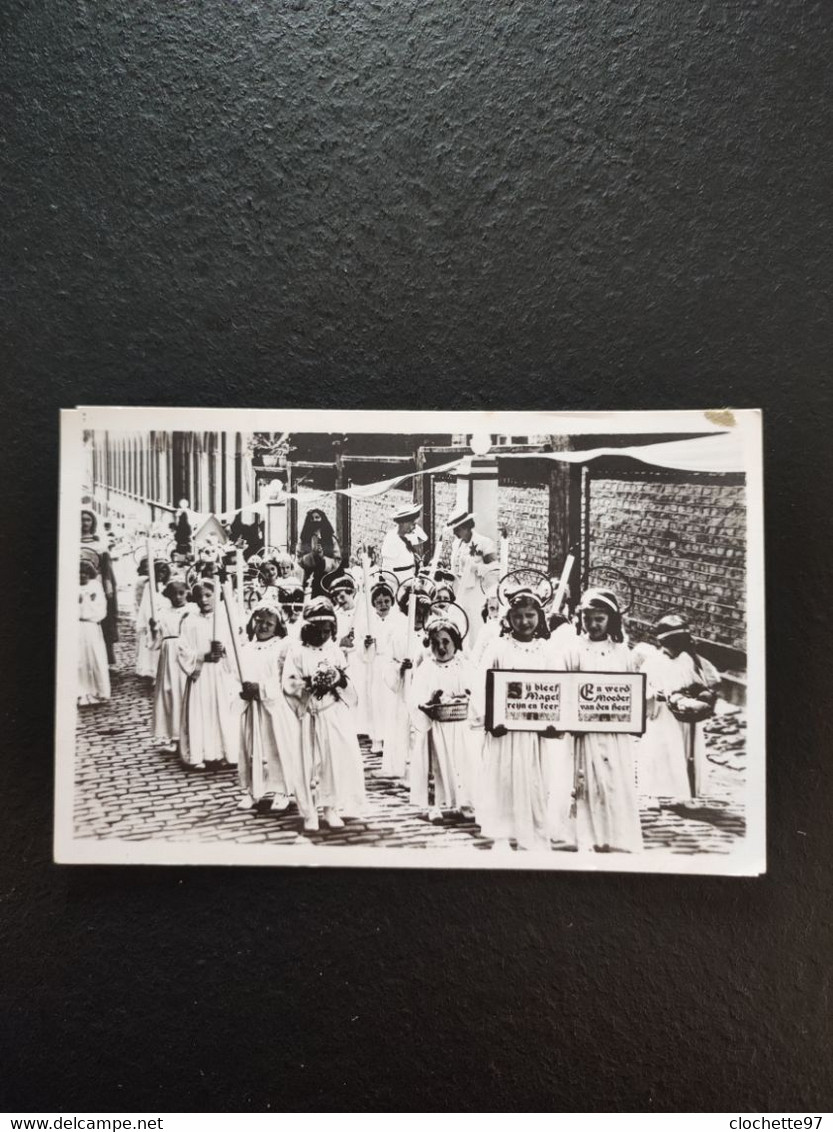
326 681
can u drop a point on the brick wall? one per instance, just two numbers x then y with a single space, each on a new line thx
525 511
681 545
683 548
370 519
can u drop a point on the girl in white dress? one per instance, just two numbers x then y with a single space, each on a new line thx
605 807
349 632
98 551
268 579
402 656
140 584
210 706
290 596
315 678
270 735
511 802
672 753
170 678
376 653
442 748
147 654
93 673
288 568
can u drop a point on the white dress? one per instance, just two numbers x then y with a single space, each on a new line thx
606 804
381 698
93 674
473 577
488 634
396 743
511 801
270 733
449 750
664 751
351 621
169 690
331 754
211 706
147 655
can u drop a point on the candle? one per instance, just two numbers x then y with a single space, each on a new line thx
435 559
151 580
411 624
561 590
504 556
238 569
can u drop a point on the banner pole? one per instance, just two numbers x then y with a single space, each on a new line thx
232 624
366 576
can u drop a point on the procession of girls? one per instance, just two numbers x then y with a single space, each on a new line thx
285 697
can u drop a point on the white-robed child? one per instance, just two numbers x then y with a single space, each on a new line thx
384 618
140 584
350 629
268 579
93 673
270 733
147 654
315 678
288 568
169 689
492 625
511 800
444 590
605 806
444 749
672 753
210 707
403 652
290 595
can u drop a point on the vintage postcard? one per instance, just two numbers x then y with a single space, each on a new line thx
444 640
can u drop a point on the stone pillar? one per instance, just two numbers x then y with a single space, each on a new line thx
229 502
277 534
483 502
342 501
463 487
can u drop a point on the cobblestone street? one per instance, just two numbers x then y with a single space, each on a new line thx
128 789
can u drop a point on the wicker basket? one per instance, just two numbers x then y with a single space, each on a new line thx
448 711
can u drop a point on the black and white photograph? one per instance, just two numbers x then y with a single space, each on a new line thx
465 640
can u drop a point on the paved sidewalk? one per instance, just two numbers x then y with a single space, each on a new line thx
128 789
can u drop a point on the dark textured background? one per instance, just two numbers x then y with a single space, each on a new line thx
525 205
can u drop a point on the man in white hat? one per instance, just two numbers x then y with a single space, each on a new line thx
397 546
475 566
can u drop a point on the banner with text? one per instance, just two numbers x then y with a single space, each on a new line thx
533 700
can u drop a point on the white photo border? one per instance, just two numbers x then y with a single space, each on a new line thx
749 857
